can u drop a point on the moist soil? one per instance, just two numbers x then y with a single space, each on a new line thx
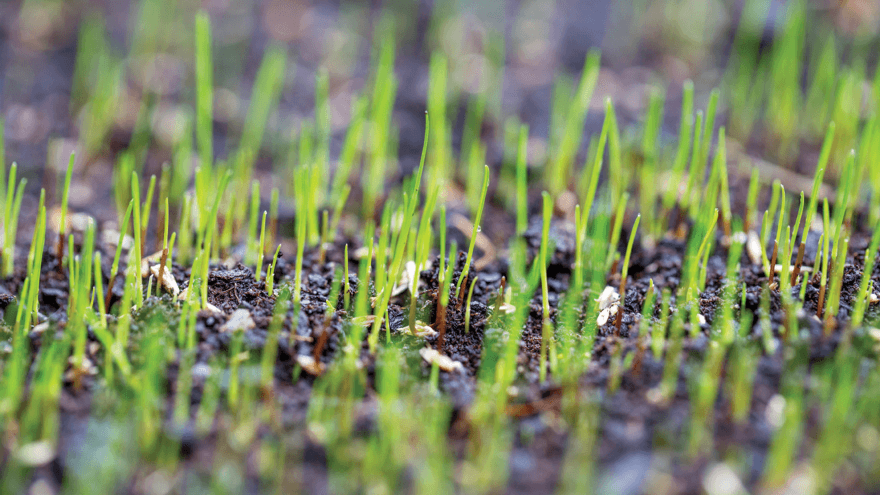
636 432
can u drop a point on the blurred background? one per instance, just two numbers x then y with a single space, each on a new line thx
104 76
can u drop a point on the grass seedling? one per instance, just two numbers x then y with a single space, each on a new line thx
751 200
824 157
147 209
558 171
114 270
546 330
135 256
619 211
300 252
347 295
467 313
264 97
625 272
704 392
460 286
398 254
685 130
826 233
2 161
384 91
11 210
447 270
76 312
325 236
422 247
62 223
861 301
204 90
644 325
258 272
782 214
648 193
270 272
802 247
34 264
206 241
839 263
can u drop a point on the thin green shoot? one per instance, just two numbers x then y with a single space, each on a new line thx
459 287
685 130
801 248
65 193
826 234
467 313
147 209
592 185
398 257
11 211
443 302
300 251
625 271
268 83
134 264
751 200
347 295
858 313
270 272
546 330
204 90
619 212
566 148
824 156
258 272
114 267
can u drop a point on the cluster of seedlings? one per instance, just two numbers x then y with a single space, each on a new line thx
181 346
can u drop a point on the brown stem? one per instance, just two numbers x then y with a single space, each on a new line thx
798 263
820 309
773 263
614 265
322 341
441 327
162 262
828 325
109 291
273 231
461 292
59 250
